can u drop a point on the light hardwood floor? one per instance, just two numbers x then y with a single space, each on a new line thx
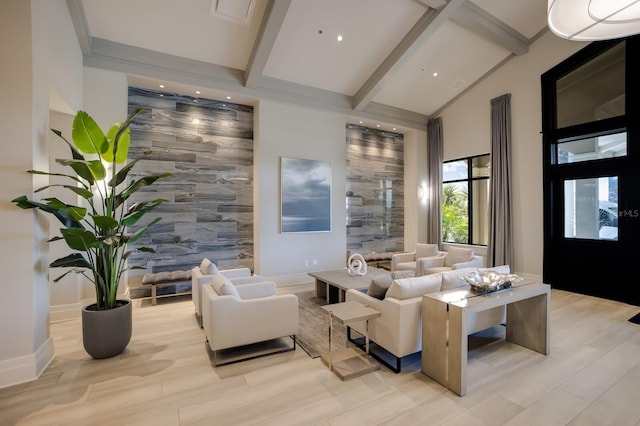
166 377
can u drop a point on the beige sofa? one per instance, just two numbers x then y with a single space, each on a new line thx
399 329
205 274
240 315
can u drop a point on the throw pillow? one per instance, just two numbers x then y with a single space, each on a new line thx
224 287
426 250
207 267
379 286
458 255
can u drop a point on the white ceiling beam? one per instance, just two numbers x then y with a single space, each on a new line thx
79 19
267 34
482 23
428 23
434 4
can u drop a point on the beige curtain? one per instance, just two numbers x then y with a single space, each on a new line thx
434 177
500 246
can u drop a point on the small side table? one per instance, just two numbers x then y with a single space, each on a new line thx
350 362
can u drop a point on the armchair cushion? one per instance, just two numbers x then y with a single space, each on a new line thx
458 255
426 250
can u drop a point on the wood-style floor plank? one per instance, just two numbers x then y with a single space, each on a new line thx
166 377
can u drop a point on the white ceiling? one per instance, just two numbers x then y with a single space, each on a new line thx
288 49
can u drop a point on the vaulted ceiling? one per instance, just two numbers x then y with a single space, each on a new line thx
399 61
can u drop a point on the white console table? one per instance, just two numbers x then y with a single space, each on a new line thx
444 327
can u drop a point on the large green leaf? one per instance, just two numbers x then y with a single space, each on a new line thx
38 172
139 233
84 193
120 147
81 169
122 174
87 135
74 260
80 239
74 212
136 185
61 214
95 169
138 210
106 223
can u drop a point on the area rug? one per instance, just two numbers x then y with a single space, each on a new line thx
313 329
635 319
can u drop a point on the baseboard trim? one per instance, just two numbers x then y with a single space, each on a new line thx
28 367
291 279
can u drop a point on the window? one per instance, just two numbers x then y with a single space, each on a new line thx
465 200
591 208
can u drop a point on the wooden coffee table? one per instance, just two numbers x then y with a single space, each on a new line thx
332 285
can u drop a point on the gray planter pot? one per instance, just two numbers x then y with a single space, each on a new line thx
106 333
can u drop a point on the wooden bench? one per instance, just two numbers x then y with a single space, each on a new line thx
164 279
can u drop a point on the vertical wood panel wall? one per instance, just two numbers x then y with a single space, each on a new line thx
375 190
208 146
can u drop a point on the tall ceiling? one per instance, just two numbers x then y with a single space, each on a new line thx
384 68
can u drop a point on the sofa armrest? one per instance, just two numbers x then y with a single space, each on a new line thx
256 290
475 262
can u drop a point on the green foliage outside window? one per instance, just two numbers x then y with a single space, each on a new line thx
455 214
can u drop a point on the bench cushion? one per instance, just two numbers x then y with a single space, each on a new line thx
166 277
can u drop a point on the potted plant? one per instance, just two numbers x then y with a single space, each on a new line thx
96 229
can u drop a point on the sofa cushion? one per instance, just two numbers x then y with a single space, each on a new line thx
380 284
458 255
207 267
408 288
453 279
426 250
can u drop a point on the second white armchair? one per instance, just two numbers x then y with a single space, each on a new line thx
454 258
413 261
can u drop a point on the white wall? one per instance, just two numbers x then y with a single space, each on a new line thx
40 55
290 131
467 131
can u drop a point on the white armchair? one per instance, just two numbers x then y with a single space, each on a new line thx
207 272
237 316
454 258
413 261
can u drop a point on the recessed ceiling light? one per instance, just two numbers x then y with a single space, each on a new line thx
339 37
361 121
197 92
162 86
377 125
395 129
435 74
228 97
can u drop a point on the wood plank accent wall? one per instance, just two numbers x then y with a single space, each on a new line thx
210 208
375 190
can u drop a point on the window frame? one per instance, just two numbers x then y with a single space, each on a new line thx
469 180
